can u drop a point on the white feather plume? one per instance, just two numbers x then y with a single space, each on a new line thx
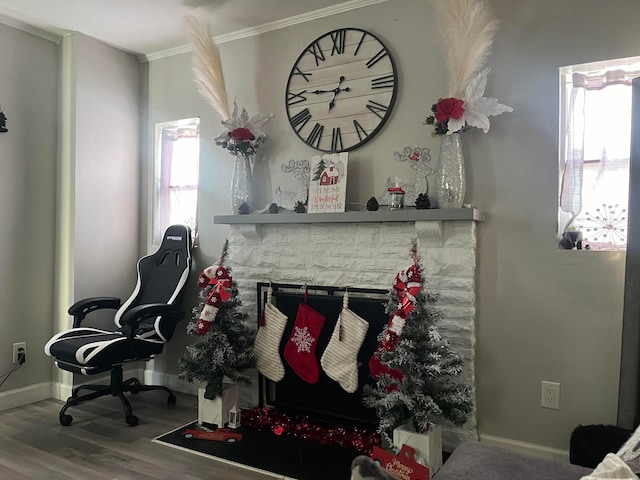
206 66
467 28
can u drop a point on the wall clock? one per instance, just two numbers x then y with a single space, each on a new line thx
341 90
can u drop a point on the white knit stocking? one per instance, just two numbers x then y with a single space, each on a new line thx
340 358
267 343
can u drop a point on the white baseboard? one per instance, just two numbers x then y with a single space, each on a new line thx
533 449
152 377
25 395
61 391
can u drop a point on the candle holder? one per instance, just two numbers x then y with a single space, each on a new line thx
396 198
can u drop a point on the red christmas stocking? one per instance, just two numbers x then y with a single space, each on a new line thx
300 350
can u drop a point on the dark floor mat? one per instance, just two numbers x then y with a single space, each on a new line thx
263 450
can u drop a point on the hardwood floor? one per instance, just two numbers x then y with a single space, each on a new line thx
99 445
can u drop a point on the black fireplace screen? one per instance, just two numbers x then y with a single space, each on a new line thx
325 400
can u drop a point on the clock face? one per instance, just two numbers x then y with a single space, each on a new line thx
341 90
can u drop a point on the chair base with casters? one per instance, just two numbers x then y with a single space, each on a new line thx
117 388
145 322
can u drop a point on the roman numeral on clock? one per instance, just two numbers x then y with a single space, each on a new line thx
362 133
336 140
315 50
386 81
314 137
297 71
364 34
300 119
338 37
377 109
377 57
295 98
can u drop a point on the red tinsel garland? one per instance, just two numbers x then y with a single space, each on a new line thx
263 418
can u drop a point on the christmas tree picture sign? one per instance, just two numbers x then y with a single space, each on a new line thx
226 349
328 184
414 366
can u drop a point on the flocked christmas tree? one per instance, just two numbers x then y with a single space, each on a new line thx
226 348
415 367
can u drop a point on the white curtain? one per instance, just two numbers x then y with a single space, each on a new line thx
572 179
571 185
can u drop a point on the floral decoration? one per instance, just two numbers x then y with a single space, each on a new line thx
243 135
454 115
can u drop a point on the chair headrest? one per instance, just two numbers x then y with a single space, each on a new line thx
174 234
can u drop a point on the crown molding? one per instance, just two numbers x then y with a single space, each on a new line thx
52 37
269 27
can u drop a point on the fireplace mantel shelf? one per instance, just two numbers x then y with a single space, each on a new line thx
406 215
428 221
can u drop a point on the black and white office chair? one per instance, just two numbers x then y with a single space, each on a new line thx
145 322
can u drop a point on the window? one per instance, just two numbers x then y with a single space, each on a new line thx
595 138
175 189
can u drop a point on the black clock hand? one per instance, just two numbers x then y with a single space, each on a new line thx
336 91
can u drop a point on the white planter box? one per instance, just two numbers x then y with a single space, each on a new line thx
216 411
428 446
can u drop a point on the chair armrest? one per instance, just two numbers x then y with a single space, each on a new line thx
83 307
133 317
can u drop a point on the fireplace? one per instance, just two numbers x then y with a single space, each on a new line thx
362 250
325 400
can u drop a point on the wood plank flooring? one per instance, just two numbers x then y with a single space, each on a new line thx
99 445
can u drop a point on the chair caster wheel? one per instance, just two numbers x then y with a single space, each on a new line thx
65 420
131 420
171 400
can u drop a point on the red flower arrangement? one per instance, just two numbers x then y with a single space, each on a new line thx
242 135
449 108
443 110
455 115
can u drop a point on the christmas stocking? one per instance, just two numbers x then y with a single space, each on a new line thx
340 358
267 344
300 350
388 344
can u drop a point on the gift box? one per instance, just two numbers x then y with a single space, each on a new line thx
403 465
428 446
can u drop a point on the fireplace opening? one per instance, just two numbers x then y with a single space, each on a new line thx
324 400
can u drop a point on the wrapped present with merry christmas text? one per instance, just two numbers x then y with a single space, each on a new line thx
403 465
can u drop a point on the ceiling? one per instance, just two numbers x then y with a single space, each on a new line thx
147 27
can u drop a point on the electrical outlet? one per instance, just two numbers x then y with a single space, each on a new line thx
16 346
550 395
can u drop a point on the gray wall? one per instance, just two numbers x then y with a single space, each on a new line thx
69 188
544 314
99 216
107 170
28 96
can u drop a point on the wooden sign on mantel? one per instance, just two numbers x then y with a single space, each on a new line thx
328 183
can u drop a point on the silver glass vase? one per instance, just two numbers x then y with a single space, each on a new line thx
451 183
242 184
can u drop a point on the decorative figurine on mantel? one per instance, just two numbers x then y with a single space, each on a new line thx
288 199
419 159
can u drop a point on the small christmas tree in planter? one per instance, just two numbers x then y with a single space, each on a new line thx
226 349
415 368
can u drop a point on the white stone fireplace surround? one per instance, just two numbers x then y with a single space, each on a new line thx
366 250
